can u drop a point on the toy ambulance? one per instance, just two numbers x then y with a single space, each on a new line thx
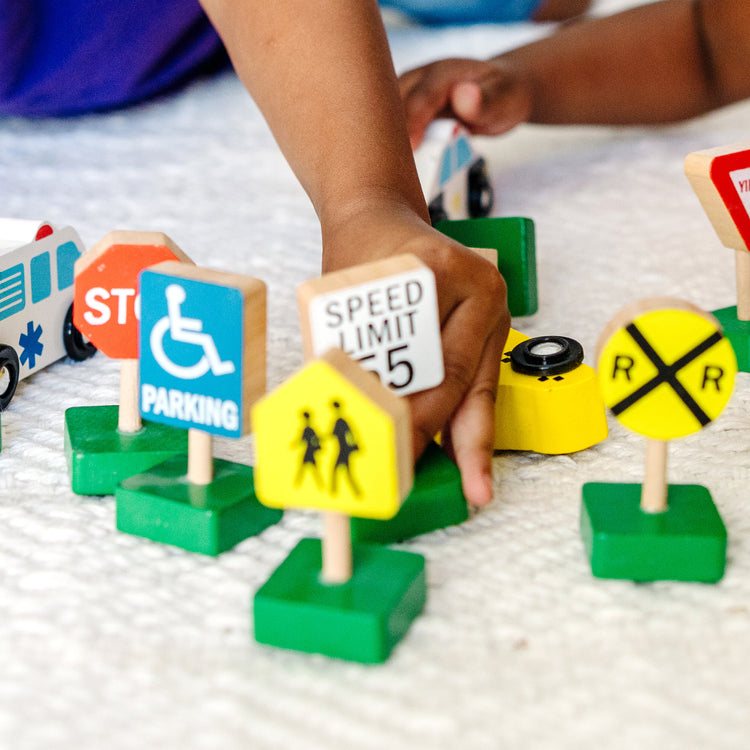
36 300
454 178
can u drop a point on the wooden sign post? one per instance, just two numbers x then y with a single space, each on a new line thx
666 371
333 438
105 444
384 315
720 178
202 349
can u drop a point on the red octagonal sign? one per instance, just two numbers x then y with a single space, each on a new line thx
106 304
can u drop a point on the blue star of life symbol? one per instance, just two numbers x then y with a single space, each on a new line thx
30 344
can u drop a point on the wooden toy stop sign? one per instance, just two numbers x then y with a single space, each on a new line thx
106 305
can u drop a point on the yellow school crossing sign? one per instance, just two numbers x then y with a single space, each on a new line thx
665 368
333 438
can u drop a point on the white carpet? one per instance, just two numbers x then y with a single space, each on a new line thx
109 641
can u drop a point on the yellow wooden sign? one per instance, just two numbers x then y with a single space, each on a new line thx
333 438
665 368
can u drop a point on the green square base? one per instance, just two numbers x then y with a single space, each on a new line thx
513 238
162 505
436 501
360 620
738 333
99 456
687 542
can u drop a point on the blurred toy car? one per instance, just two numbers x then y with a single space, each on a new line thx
454 178
36 300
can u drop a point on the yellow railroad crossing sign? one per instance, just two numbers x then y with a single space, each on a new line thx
665 368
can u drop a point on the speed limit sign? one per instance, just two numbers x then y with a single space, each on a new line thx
383 315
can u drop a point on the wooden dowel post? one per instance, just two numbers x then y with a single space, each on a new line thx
200 457
742 266
337 548
654 490
128 414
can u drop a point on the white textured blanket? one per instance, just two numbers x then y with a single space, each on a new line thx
110 641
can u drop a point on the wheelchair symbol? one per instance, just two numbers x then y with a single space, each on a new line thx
185 331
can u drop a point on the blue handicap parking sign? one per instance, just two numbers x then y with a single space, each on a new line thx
191 350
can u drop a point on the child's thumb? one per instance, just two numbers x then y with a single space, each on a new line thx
490 107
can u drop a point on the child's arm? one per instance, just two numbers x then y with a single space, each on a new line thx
321 73
656 63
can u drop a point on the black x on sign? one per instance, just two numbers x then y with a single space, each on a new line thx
667 372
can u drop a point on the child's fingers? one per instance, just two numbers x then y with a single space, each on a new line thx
492 105
425 95
489 98
426 91
472 429
474 330
468 101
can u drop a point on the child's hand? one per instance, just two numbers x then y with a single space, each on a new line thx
489 98
474 321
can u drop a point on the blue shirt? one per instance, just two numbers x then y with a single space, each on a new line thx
466 11
61 57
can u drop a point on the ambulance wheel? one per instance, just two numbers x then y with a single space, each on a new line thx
481 194
76 346
9 371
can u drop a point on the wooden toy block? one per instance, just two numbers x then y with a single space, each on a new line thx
548 401
163 505
666 371
202 345
435 502
687 542
513 239
36 298
720 178
99 456
105 444
360 620
384 315
333 437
